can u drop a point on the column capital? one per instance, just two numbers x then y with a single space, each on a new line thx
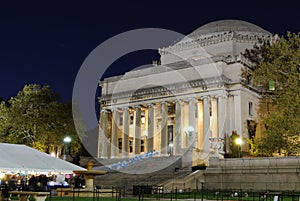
178 100
205 97
103 110
137 106
221 95
235 93
125 107
149 104
163 102
192 99
114 109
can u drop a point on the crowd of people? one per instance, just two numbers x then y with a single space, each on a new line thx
39 182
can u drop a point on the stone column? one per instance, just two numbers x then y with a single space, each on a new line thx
164 129
137 135
103 134
114 146
126 124
238 112
192 122
231 118
200 124
222 104
214 118
178 125
150 128
206 128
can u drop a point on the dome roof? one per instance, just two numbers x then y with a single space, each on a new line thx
228 25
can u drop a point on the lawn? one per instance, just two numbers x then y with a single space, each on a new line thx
288 196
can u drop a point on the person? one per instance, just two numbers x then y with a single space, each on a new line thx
76 159
32 183
5 191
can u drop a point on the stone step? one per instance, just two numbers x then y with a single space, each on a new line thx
158 169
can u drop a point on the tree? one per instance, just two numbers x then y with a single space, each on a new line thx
277 73
4 121
35 117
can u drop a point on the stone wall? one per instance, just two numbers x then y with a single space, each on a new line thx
259 174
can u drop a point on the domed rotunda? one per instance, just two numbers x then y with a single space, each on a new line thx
189 103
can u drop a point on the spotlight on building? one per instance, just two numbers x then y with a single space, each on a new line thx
239 142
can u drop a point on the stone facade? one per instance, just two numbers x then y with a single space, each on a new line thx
256 174
193 97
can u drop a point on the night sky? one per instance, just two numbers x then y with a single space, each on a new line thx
47 43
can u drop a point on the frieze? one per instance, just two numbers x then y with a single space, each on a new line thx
168 90
205 40
177 66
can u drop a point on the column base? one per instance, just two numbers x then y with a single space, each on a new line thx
113 157
125 156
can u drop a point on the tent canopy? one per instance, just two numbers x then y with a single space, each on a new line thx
21 158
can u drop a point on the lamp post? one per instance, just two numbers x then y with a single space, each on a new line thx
239 142
202 188
67 141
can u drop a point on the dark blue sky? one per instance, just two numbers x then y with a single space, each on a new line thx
47 43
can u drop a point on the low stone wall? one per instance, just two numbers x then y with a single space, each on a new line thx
259 174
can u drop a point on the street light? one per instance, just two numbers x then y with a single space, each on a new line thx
66 140
202 188
239 142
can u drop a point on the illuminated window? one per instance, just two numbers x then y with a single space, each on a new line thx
131 118
143 118
142 145
120 145
121 120
130 145
171 109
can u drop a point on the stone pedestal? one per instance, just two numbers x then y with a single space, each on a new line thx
217 146
89 175
89 178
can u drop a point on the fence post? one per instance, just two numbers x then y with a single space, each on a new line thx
50 195
202 189
73 194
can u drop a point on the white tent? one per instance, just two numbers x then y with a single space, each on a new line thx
21 158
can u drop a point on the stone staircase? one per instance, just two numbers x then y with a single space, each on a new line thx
189 181
153 171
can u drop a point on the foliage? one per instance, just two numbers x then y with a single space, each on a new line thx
4 121
35 117
279 63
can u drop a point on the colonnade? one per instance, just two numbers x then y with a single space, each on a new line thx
199 118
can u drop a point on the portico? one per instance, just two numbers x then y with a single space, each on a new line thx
161 126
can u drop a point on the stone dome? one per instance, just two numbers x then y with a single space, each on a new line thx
228 26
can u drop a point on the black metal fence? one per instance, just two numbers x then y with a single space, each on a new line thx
159 193
141 192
